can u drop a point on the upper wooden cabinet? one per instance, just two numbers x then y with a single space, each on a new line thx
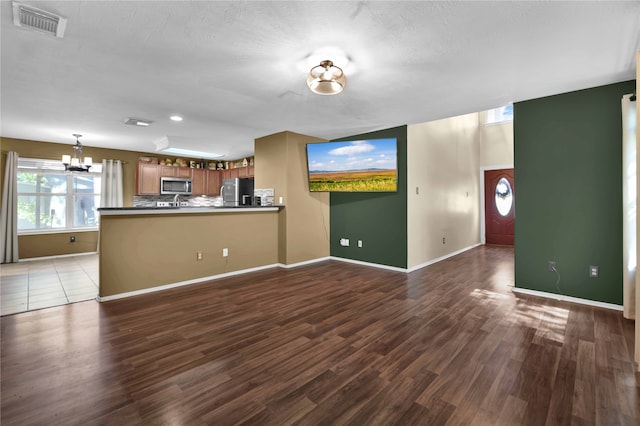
148 179
204 181
199 181
238 172
214 182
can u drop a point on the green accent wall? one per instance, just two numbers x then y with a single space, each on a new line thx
379 219
568 188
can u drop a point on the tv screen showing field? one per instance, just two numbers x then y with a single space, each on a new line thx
355 166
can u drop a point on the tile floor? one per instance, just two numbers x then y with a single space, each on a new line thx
37 284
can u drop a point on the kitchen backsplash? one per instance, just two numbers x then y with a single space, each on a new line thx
266 199
195 201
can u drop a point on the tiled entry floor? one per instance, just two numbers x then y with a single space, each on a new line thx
37 284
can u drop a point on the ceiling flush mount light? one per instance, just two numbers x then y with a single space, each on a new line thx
137 122
326 79
175 118
77 163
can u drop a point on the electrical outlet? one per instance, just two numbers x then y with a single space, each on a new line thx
344 242
199 255
359 243
551 266
443 240
417 190
72 239
594 271
225 252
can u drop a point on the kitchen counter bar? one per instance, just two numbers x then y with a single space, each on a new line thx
111 211
149 249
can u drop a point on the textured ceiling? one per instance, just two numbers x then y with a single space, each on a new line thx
237 70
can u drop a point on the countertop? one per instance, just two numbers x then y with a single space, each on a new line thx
112 211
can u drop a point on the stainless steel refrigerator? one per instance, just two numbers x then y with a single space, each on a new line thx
237 192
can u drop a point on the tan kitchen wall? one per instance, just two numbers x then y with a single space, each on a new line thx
58 244
281 163
443 163
139 252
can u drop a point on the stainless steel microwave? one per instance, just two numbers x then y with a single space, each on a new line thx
173 185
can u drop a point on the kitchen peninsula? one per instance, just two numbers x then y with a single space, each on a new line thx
148 249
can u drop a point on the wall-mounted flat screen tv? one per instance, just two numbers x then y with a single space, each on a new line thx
368 165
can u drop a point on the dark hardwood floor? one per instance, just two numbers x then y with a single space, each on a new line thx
329 343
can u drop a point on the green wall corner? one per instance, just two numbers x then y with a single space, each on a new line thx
568 173
379 219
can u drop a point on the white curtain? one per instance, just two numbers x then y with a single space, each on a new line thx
9 214
111 189
629 207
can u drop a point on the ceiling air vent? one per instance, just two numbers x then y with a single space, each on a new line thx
39 20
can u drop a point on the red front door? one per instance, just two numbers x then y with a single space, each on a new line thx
499 207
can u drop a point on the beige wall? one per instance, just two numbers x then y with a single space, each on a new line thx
138 252
496 143
443 162
57 244
304 224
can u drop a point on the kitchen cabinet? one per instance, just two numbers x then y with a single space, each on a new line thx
214 181
184 172
245 172
198 181
204 181
147 179
230 173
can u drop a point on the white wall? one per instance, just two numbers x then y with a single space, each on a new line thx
444 159
443 163
496 143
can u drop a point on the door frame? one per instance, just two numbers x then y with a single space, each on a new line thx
483 227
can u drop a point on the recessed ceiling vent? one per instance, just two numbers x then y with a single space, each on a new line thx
39 20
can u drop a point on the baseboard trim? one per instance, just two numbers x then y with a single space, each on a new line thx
58 256
563 298
373 265
441 258
275 265
183 283
305 262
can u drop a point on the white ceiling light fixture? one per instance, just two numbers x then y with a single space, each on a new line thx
40 20
137 122
175 118
326 79
77 163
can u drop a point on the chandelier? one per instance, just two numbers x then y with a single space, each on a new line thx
77 163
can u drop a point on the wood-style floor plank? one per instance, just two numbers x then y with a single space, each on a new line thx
329 343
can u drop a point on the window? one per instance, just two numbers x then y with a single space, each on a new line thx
51 199
504 197
500 115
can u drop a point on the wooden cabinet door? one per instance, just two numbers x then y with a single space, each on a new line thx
198 181
250 171
168 171
183 172
214 182
148 179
